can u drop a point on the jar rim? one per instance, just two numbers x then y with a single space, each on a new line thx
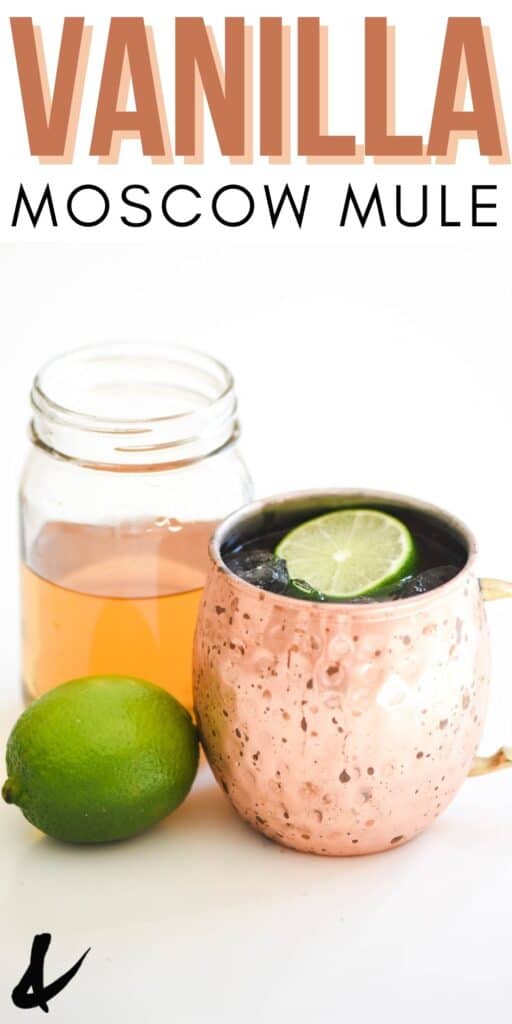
124 348
131 374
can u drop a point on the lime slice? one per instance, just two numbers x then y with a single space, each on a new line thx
349 553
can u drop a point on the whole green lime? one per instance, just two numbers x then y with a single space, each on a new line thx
101 758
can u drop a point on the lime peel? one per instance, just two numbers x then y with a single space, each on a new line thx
11 792
100 759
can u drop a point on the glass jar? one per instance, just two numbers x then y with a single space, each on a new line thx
134 460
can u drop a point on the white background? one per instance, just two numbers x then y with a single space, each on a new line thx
377 361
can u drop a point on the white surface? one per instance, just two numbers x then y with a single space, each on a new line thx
203 920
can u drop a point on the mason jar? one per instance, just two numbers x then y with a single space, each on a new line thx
134 460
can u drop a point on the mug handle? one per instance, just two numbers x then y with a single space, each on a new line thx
493 590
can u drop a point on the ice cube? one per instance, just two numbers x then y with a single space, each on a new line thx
428 580
261 568
304 590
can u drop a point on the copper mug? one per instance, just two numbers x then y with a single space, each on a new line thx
342 729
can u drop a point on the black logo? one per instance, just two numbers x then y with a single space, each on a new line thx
31 991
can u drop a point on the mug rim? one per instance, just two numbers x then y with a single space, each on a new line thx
371 609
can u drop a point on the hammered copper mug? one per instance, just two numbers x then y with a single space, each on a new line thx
342 729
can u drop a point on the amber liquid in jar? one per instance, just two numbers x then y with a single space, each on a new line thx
113 600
